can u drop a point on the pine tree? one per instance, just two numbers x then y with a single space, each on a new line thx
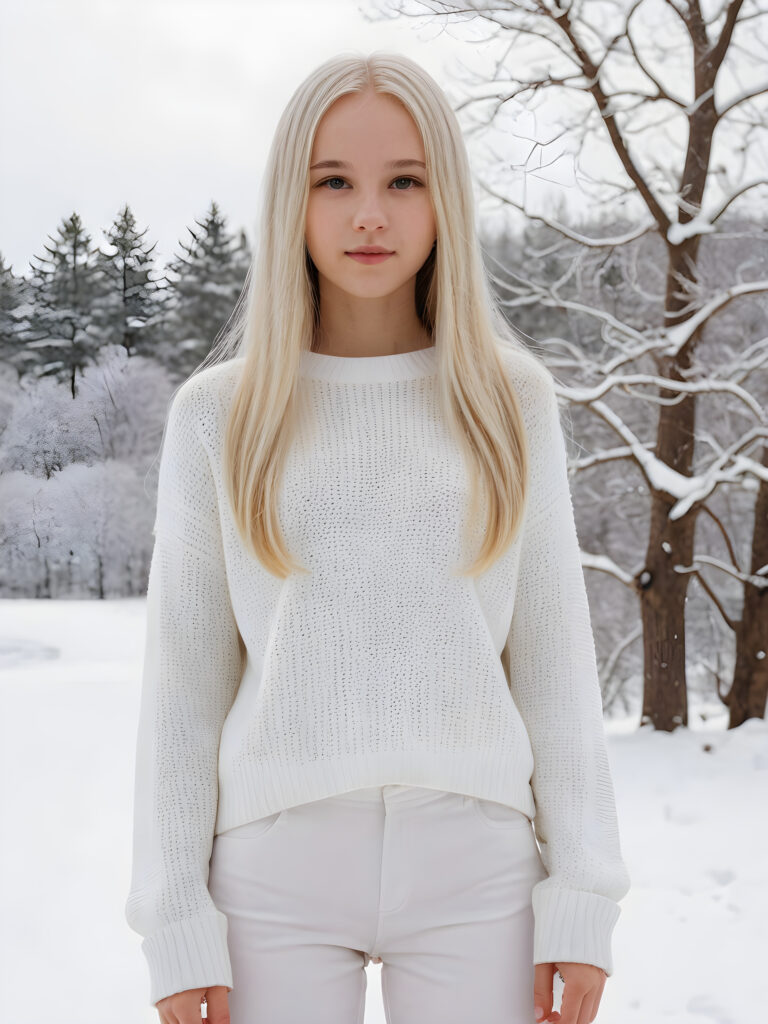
132 304
60 330
14 304
204 286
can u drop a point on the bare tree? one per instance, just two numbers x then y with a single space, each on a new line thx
652 82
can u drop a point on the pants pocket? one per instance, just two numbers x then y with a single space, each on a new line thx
498 815
252 829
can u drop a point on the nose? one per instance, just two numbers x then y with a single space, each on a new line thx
369 214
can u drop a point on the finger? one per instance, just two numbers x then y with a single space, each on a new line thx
597 995
591 1003
571 1004
542 988
187 1007
218 1005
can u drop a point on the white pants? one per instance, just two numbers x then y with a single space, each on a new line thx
437 884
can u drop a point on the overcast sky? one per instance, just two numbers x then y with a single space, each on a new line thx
169 104
164 104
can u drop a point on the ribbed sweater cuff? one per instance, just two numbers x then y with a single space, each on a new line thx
188 954
573 926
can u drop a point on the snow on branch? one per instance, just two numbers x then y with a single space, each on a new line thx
728 466
679 335
744 97
587 395
602 563
758 579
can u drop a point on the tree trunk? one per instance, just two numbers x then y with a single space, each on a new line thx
663 590
749 690
663 596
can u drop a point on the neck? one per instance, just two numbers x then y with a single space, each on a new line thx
389 346
372 328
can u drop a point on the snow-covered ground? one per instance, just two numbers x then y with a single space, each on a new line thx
690 946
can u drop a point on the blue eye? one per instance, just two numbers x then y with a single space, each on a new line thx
416 184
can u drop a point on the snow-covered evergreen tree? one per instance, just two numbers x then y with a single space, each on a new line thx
204 285
132 306
60 332
14 292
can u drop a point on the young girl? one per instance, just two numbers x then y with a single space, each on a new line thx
370 725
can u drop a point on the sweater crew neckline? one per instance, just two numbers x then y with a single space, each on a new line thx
420 362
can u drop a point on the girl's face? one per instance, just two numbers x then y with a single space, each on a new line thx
359 199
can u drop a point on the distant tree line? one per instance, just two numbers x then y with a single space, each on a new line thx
94 340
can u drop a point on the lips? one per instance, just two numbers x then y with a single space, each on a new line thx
370 258
375 250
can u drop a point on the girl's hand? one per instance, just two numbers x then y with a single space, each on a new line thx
185 1007
584 984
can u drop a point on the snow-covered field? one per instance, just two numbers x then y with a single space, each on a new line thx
690 947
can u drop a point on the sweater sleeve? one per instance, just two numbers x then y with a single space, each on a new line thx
554 683
192 668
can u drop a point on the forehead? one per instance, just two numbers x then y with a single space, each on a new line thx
367 130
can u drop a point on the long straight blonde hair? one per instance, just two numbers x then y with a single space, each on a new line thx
278 310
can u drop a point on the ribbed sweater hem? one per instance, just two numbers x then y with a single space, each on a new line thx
573 926
188 954
256 790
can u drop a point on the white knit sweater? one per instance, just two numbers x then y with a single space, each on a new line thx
381 666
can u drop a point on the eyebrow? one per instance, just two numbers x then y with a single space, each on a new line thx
394 164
